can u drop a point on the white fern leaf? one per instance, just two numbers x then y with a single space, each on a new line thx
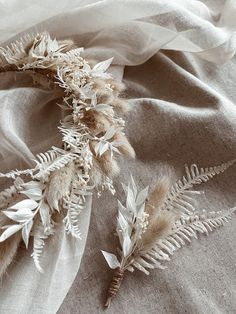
46 165
186 228
13 174
38 245
180 196
16 52
47 157
71 220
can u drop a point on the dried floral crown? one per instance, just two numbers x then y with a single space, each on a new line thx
92 133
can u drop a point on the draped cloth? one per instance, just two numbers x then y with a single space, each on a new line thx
177 60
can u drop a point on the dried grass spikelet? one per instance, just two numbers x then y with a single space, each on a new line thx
121 105
96 175
159 227
59 185
109 165
66 45
125 148
159 222
8 248
157 198
96 121
109 92
97 83
117 86
104 97
106 162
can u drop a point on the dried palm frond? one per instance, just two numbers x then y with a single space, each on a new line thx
151 228
63 177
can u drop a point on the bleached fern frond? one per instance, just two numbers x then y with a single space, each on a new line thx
47 165
71 220
74 137
148 235
179 197
186 228
73 54
13 174
47 157
18 50
39 237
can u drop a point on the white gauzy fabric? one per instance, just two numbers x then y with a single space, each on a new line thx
130 30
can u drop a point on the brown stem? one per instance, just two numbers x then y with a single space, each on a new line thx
114 286
8 68
13 68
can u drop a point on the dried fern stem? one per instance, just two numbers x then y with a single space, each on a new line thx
114 286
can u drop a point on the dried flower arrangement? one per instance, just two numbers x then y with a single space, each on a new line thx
92 133
151 228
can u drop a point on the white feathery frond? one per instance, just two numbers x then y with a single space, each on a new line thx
48 165
13 174
179 197
17 51
71 220
186 228
38 245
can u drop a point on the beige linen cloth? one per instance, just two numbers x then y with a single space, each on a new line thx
183 100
